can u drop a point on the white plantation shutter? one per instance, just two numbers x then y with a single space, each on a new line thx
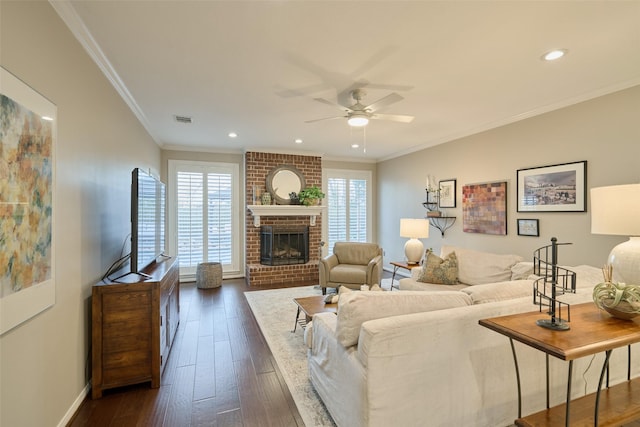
348 207
336 211
190 218
206 215
219 209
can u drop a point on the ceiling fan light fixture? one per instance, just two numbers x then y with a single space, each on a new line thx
358 121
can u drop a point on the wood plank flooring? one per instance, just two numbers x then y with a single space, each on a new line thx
220 372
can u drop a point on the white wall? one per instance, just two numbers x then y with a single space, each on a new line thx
44 361
604 131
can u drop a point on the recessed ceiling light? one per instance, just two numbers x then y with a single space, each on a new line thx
233 135
355 145
554 54
47 118
298 141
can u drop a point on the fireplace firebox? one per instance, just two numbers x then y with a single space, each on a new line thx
284 245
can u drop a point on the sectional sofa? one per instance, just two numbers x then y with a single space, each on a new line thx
420 358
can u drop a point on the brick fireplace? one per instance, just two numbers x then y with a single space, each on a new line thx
257 167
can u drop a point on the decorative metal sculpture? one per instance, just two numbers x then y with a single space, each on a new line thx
553 281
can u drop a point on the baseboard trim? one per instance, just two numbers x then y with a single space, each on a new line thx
74 407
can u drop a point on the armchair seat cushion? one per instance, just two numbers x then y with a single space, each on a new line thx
348 273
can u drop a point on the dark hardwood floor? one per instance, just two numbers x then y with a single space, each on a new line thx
220 372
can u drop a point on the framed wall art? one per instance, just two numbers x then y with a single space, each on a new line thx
447 193
484 208
28 129
528 227
555 188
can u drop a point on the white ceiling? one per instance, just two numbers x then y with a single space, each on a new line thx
255 67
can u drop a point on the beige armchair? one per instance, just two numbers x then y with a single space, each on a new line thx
352 264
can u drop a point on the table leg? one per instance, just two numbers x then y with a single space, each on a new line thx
515 362
295 325
393 277
566 415
605 367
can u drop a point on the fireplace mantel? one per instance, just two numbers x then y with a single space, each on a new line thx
285 210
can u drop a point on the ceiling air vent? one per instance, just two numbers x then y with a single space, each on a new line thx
183 119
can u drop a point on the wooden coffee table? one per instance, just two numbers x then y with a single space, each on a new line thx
310 306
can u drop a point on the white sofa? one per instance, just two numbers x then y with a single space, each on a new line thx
406 359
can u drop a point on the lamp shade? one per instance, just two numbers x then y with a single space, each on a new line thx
414 228
616 210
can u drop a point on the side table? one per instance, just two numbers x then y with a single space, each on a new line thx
400 264
592 331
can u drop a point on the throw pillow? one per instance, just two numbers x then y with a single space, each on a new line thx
356 308
439 271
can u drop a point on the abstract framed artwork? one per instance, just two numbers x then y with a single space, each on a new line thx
447 193
528 227
484 208
555 188
28 131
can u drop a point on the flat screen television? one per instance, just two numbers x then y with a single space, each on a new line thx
148 198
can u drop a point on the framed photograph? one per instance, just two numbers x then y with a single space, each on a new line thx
447 193
555 188
528 227
484 208
28 129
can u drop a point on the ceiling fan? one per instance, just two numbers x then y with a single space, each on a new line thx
359 114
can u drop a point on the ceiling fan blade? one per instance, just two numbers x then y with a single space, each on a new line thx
333 104
393 117
325 118
383 102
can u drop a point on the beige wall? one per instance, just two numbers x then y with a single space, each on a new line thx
604 131
44 361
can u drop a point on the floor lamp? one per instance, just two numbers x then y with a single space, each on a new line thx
414 229
616 210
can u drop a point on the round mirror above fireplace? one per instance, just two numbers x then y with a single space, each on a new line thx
284 180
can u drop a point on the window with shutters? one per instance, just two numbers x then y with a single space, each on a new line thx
348 198
204 215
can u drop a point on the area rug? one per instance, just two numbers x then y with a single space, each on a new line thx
275 313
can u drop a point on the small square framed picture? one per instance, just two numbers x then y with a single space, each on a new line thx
447 193
528 227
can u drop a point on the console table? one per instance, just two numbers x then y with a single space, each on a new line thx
133 326
592 331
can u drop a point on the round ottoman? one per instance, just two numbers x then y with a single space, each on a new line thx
208 275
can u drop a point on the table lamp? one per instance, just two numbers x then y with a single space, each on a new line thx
414 229
616 210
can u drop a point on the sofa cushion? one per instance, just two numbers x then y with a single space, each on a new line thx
355 308
491 292
521 270
408 284
478 268
439 271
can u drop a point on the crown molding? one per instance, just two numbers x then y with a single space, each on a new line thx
70 17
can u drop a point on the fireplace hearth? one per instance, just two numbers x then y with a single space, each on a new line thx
284 245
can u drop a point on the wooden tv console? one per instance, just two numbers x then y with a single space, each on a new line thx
133 327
